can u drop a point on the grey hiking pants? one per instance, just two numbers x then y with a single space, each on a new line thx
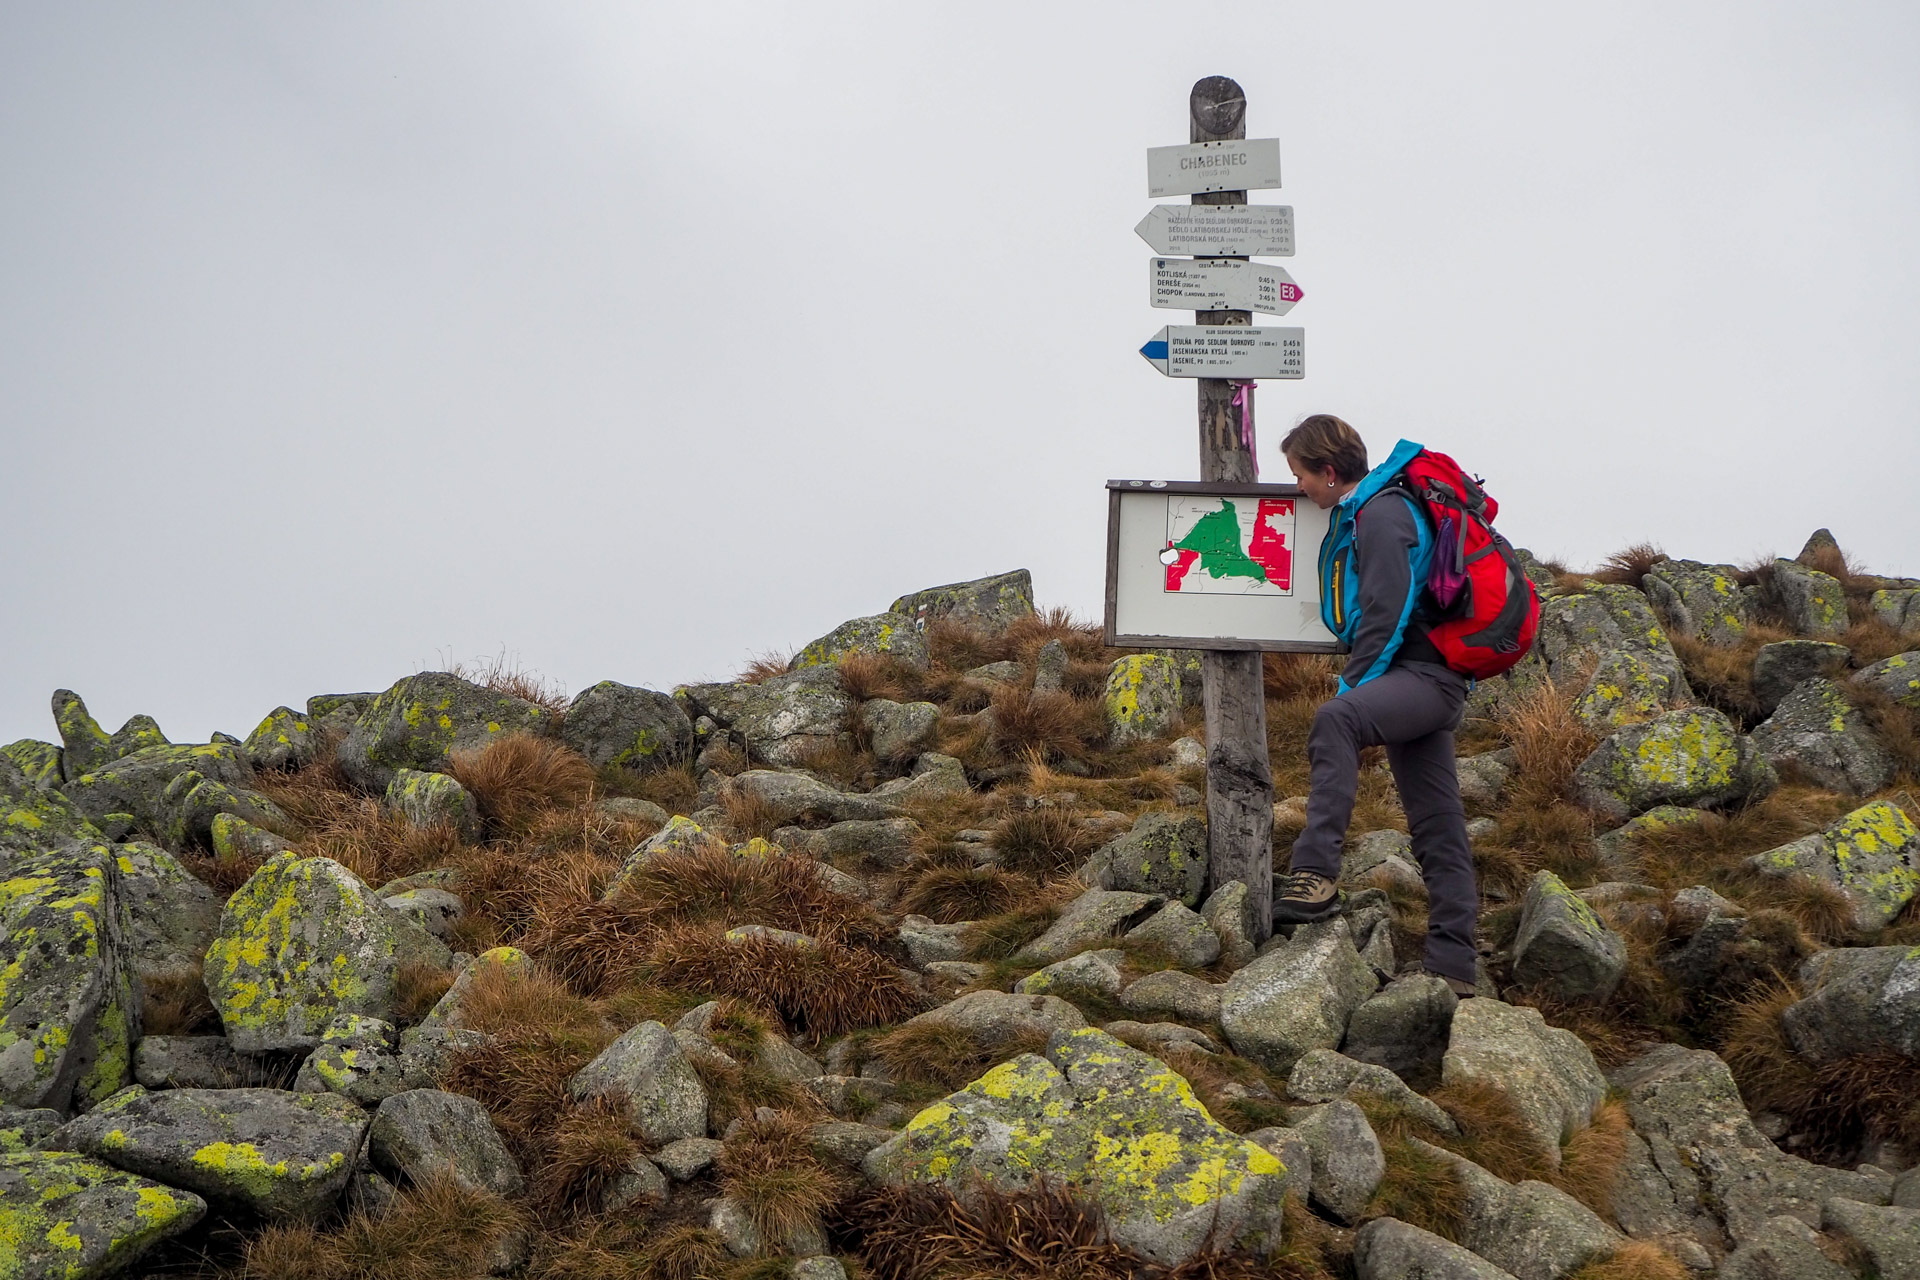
1412 709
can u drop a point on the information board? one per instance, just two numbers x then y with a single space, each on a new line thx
1198 565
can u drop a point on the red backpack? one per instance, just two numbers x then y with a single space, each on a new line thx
1487 608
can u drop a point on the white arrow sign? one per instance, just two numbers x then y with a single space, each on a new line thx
1238 164
1221 284
1227 351
1246 230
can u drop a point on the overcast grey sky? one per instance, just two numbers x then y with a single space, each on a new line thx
632 340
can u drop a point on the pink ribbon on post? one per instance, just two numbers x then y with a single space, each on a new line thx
1243 401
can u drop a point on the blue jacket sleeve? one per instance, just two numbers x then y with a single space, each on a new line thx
1386 545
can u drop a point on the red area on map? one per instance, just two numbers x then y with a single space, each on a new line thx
1267 548
1177 571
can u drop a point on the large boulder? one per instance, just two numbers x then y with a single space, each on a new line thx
85 746
1897 678
1692 757
1164 854
1534 1230
38 762
1095 915
1563 949
790 797
1708 1163
892 635
69 1012
1143 699
1404 1028
646 1072
898 731
783 719
433 800
422 720
192 802
34 819
1815 734
1871 855
1296 997
996 1018
1782 1248
358 1058
1119 1127
266 1151
304 939
136 784
1783 666
618 724
172 915
1577 631
1547 1073
1897 607
1860 1000
63 1215
1888 1236
989 603
1700 601
1180 933
1348 1162
286 739
1813 603
1625 688
1389 1249
424 1133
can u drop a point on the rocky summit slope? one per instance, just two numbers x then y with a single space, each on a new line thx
900 958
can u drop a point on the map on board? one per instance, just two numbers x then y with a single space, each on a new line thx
1230 547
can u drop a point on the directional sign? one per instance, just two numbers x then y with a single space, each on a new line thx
1221 284
1238 164
1228 351
1257 230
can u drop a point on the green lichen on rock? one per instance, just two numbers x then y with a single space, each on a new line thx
267 1151
1143 698
1119 1127
891 635
191 802
422 720
38 762
172 915
991 604
68 1013
33 818
304 939
1623 690
1700 601
618 725
1897 607
235 839
86 744
1563 948
63 1215
284 740
433 800
1872 855
137 734
1578 631
1692 756
1164 854
1819 737
137 783
1814 603
1897 677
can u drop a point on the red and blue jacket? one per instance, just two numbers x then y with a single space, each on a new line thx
1373 569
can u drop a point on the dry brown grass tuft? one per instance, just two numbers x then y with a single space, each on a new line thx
331 820
950 895
1045 840
769 1168
502 674
1001 937
822 990
877 675
1820 909
1082 640
749 814
1299 675
1634 1260
438 1231
1629 565
1549 742
1896 724
625 1246
175 1003
1721 676
1871 640
590 1147
417 987
955 646
736 1090
1052 726
674 788
923 1232
1590 1160
1421 1189
1709 851
1492 1133
518 777
765 666
946 1057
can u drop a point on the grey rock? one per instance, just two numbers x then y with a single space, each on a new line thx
191 1062
1563 948
357 1058
614 724
1536 1231
1160 1036
1229 911
1483 777
172 914
1187 753
886 841
1389 1249
1860 1000
426 1052
433 800
1173 994
1580 629
961 972
1367 851
1093 974
1871 855
235 840
988 603
136 784
729 1220
1546 1072
818 1268
899 730
422 1133
1347 1160
995 1018
435 910
1093 917
789 797
1906 1189
24 1128
191 802
927 942
646 1068
1814 603
1692 757
1143 698
632 809
681 835
781 720
1817 735
286 739
1896 678
1714 930
278 1154
1889 1236
1006 672
1716 1164
1615 850
1185 935
849 1097
1700 601
38 762
73 1218
1050 667
422 720
1780 667
1897 607
85 746
891 635
1783 1248
1322 1075
1291 1146
1405 1028
1164 854
1296 997
642 1184
688 1158
846 1143
933 775
1625 688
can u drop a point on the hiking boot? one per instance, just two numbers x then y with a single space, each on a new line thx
1304 897
1459 986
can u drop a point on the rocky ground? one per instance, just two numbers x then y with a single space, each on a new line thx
901 959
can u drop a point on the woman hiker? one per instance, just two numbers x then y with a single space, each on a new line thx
1395 692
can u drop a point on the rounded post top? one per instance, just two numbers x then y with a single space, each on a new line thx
1217 105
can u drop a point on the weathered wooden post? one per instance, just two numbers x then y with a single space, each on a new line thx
1239 775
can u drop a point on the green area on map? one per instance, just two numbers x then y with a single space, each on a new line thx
1216 537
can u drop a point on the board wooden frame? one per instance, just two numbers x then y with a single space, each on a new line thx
1225 488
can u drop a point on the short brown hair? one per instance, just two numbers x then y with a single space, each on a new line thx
1322 441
